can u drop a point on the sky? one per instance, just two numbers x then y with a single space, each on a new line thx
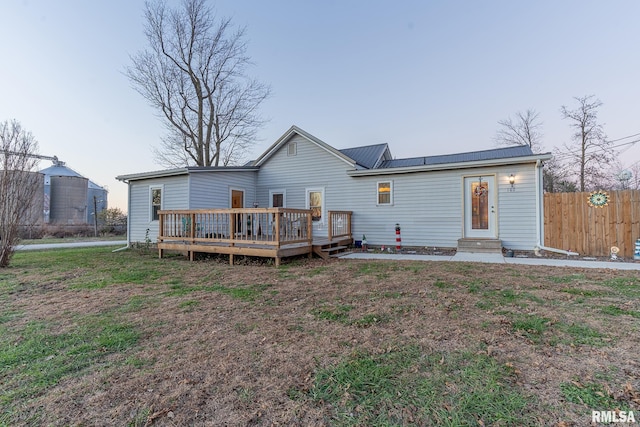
426 77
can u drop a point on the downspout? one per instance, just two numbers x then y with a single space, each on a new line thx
128 220
539 227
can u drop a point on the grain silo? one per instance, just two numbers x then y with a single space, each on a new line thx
71 199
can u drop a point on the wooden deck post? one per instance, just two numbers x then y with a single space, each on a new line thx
278 217
193 227
160 231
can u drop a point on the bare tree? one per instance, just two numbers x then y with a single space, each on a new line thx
524 129
18 184
194 74
590 154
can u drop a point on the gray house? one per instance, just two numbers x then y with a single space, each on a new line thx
438 201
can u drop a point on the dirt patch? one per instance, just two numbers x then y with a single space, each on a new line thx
241 345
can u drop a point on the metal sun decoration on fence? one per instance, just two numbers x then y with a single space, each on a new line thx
598 199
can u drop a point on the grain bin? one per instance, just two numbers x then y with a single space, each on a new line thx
68 200
67 193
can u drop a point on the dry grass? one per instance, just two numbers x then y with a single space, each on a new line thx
91 337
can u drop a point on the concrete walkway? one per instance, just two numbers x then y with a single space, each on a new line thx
39 247
499 259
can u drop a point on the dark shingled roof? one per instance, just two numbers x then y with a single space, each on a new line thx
365 156
497 153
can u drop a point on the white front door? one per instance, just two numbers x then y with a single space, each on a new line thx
480 207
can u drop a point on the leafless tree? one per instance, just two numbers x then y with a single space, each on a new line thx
524 129
194 74
18 184
590 154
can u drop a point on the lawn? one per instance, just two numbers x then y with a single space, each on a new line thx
91 337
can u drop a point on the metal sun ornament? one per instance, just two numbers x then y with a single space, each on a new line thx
598 199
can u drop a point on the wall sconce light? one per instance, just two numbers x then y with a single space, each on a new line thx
512 181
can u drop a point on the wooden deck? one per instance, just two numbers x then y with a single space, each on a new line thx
261 232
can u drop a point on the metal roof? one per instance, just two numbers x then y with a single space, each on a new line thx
183 171
60 171
494 154
367 156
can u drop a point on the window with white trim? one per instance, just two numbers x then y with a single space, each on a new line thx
155 199
385 192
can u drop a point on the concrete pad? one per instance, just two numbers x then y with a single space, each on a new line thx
493 258
497 259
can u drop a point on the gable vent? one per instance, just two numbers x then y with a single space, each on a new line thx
292 149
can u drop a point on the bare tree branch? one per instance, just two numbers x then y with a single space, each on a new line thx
194 74
18 184
590 154
524 129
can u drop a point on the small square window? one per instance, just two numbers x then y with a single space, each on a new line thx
292 149
385 195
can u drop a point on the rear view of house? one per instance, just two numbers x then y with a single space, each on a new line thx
439 201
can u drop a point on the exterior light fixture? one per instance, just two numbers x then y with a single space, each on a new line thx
512 181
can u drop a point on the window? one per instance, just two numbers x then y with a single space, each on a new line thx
292 149
315 204
156 202
385 193
277 200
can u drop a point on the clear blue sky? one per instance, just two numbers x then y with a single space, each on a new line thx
427 77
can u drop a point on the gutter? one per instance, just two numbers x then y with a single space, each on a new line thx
539 224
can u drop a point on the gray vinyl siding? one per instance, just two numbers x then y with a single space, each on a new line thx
213 189
428 206
517 208
311 167
174 196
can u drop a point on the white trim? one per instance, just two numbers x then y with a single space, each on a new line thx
450 166
278 191
151 188
296 130
324 202
390 181
244 196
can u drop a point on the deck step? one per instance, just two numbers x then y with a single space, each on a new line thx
326 249
334 249
340 254
480 245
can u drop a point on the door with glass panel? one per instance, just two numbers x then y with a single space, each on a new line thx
315 202
480 207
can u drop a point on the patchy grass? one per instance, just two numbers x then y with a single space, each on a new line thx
451 389
90 337
36 357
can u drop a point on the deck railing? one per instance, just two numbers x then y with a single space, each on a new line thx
258 226
339 224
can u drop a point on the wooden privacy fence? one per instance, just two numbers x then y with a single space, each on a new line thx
571 223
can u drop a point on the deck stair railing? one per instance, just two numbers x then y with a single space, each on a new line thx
339 224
